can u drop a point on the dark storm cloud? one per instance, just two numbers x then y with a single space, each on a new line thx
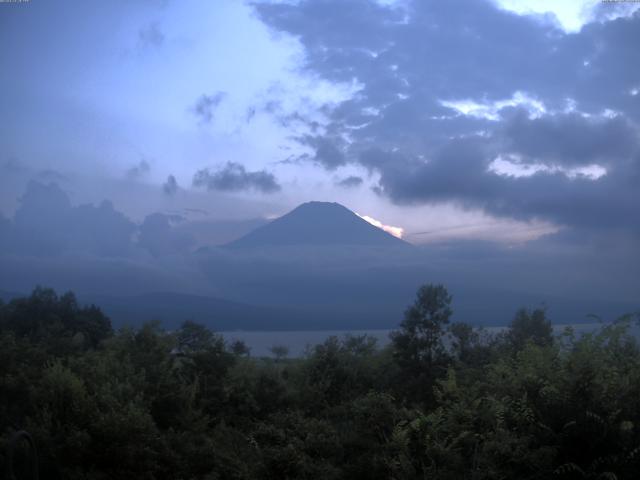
206 105
412 60
613 66
170 187
139 170
437 49
571 139
327 152
350 182
460 172
234 177
407 65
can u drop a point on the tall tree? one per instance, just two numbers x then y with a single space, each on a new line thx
418 347
530 327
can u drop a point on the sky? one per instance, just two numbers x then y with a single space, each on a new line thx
501 121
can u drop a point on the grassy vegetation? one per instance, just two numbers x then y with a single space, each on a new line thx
149 404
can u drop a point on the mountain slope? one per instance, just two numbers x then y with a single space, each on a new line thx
318 224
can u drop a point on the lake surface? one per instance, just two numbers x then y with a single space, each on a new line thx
298 341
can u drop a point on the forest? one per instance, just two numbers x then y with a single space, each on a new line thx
443 400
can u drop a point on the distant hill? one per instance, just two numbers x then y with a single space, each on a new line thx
6 296
318 224
174 308
171 309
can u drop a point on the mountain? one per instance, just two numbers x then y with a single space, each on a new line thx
318 224
171 309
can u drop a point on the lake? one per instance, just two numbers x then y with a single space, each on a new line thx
297 341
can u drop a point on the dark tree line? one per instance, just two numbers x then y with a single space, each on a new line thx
442 401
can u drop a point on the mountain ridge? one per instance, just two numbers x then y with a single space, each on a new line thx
318 224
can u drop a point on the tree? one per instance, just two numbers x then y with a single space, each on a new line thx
205 361
280 352
194 337
419 342
58 321
418 346
530 327
240 348
463 339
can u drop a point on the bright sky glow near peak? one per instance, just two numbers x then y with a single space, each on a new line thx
395 231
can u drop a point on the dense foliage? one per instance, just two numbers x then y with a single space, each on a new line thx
442 401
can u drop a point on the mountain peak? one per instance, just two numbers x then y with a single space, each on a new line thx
319 204
320 209
318 224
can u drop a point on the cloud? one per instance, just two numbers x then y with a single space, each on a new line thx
158 236
14 166
395 231
514 167
5 234
151 36
445 91
50 175
460 172
139 170
197 211
46 223
327 151
206 105
570 138
170 187
234 177
492 110
350 182
571 16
